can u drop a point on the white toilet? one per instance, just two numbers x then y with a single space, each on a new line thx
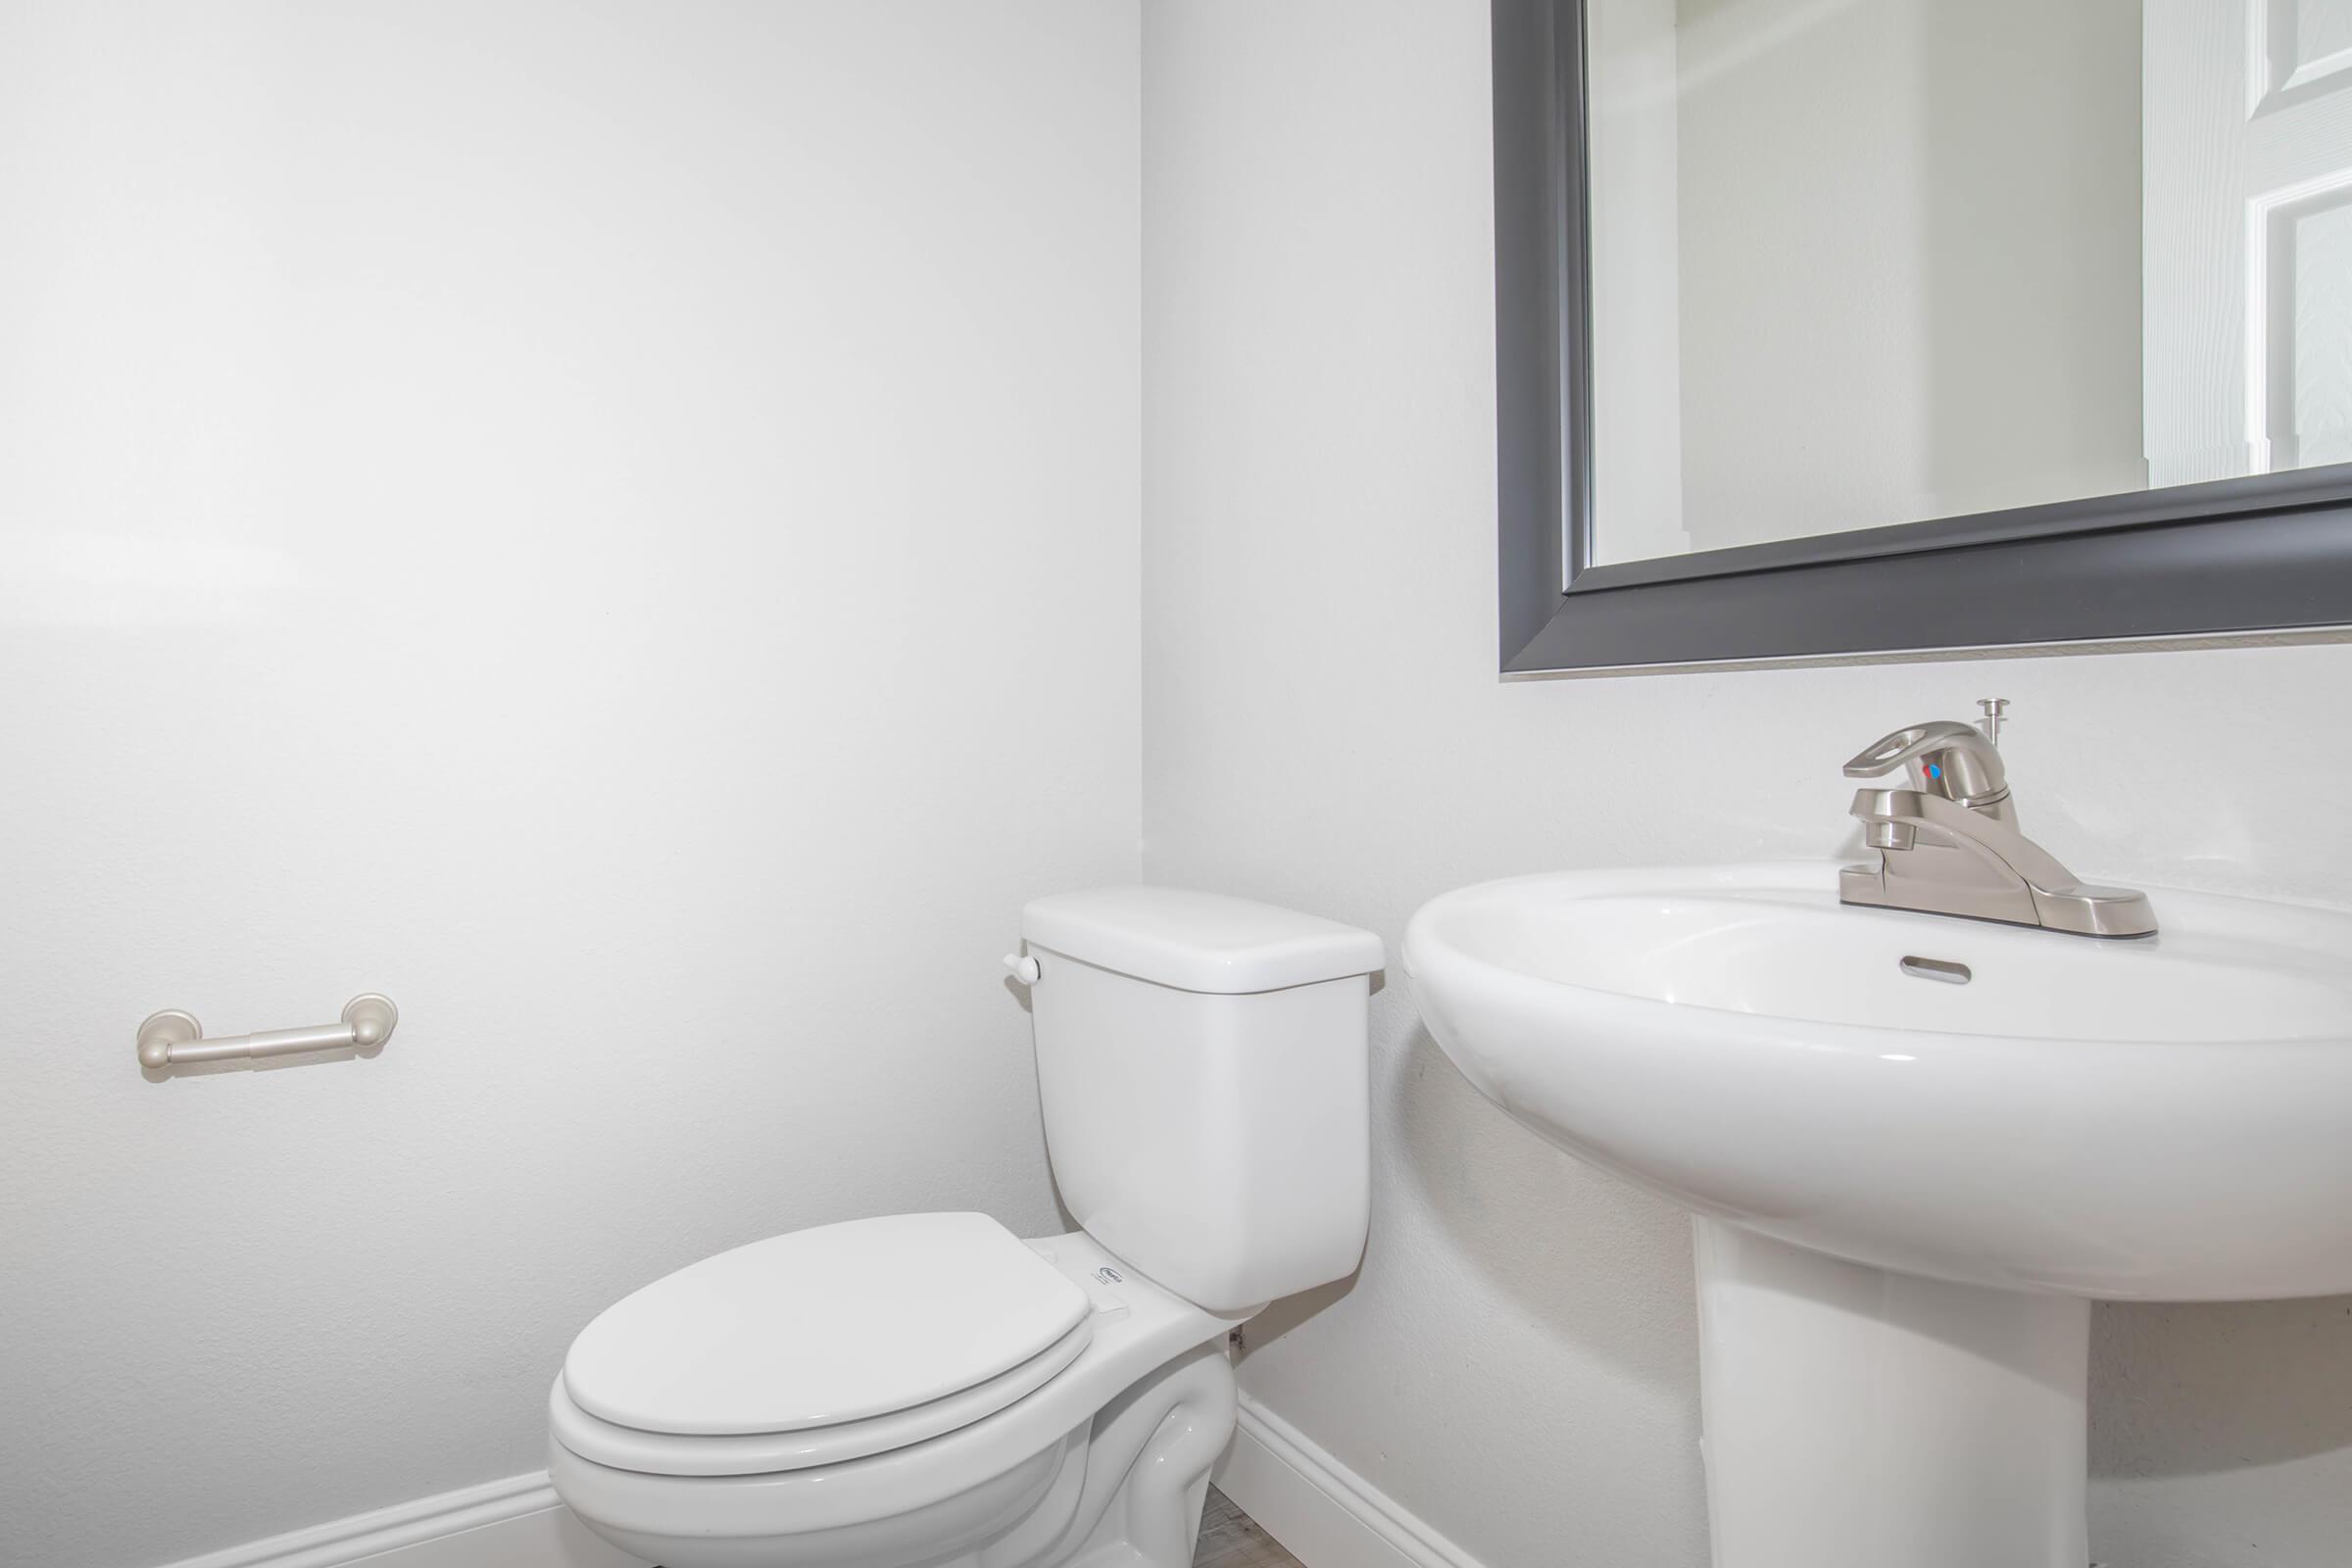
923 1390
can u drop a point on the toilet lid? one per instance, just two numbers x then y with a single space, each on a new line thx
818 1327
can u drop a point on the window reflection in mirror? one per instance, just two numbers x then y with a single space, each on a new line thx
1858 263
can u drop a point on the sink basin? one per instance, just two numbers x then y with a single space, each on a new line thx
1916 1146
2169 1118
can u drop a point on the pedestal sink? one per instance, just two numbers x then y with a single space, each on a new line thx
1916 1147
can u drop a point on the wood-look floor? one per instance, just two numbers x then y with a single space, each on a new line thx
1231 1539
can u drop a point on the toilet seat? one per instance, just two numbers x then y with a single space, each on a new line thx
817 1347
666 1454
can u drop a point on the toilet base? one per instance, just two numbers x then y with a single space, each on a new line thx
1126 1488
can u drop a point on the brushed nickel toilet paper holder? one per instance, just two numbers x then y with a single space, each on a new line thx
174 1039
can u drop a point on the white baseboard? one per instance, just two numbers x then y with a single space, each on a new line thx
1326 1514
514 1523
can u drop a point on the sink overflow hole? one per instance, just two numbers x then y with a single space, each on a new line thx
1951 975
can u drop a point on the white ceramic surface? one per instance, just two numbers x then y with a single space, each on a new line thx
1218 1140
924 1388
816 1327
1858 1418
2167 1119
1134 1421
1197 941
1915 1144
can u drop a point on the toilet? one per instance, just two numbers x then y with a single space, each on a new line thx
930 1391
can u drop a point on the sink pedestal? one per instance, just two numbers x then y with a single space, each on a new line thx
1856 1418
2163 1121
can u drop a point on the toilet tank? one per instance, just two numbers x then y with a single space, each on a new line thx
1201 1064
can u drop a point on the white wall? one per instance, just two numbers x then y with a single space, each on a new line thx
616 524
1516 1362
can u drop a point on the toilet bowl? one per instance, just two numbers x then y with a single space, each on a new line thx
1028 1483
929 1390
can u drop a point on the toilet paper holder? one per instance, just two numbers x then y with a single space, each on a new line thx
172 1039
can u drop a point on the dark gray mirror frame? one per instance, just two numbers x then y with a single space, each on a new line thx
2267 554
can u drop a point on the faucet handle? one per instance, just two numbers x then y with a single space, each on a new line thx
1954 760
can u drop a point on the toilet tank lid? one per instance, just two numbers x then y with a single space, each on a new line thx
1197 941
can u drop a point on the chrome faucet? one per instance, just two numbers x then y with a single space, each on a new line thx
1949 844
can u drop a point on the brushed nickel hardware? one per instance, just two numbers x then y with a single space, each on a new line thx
1953 761
1944 969
1993 708
175 1039
1949 844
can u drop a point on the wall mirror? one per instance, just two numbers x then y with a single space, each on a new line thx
1834 328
